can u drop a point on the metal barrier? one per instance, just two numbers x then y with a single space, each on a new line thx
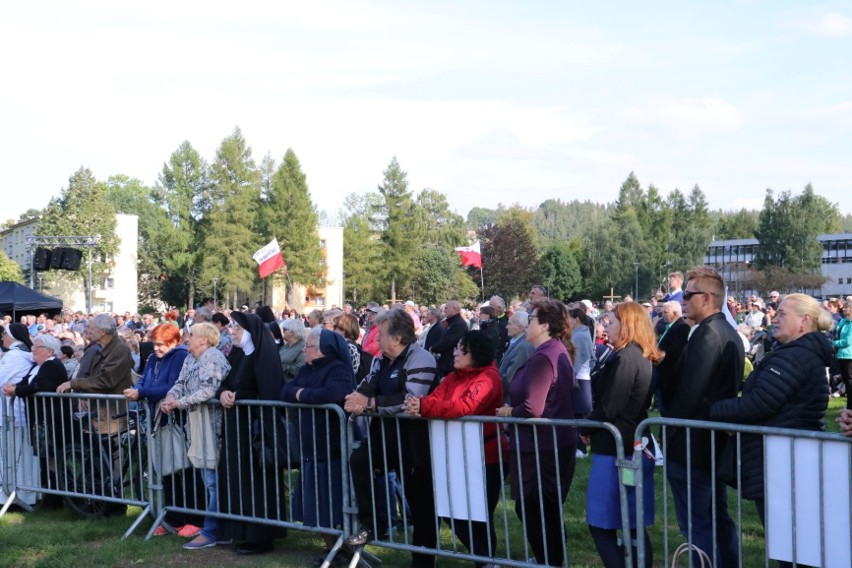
805 478
267 448
448 468
89 450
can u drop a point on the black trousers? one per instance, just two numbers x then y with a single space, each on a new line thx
417 484
540 523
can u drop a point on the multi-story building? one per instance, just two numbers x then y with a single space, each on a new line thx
734 259
114 291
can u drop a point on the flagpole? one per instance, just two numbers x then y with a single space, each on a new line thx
482 280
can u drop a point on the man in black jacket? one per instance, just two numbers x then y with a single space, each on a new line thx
443 348
672 342
710 369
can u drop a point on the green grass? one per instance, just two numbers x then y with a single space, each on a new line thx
61 539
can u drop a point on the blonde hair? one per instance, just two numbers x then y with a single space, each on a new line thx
206 330
803 305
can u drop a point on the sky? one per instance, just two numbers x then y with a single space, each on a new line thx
485 101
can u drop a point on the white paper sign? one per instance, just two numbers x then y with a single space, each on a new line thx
794 498
458 470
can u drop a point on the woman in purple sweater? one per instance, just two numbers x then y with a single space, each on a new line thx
542 458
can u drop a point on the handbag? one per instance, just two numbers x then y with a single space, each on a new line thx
269 440
170 446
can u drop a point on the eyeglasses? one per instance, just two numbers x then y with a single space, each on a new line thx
687 294
531 316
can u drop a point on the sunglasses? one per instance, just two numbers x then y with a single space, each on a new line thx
687 295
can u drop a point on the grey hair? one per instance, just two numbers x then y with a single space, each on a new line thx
105 323
50 342
675 306
399 324
204 312
499 301
294 326
315 332
521 318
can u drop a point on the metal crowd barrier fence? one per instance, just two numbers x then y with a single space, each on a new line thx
807 496
89 450
398 473
273 463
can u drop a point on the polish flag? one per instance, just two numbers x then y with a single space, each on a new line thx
269 258
470 256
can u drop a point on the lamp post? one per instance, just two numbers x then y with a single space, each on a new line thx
215 297
636 287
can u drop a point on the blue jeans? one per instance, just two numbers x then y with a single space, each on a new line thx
211 524
727 542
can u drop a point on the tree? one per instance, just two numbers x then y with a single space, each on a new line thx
509 258
81 210
436 222
9 270
560 272
691 229
788 229
741 224
288 214
183 192
230 236
399 242
481 217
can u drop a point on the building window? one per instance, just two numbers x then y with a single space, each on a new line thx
322 243
840 280
320 301
849 280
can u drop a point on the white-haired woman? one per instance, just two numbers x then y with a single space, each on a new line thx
291 354
44 373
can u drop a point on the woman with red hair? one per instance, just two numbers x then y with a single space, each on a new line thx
622 391
161 371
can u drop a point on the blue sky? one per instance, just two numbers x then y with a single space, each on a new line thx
487 102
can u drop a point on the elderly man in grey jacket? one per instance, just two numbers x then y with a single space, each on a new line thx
518 351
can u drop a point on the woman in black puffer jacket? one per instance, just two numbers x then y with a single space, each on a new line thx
787 389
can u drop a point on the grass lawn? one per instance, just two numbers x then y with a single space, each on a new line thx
62 539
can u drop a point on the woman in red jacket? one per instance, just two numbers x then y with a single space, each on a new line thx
474 388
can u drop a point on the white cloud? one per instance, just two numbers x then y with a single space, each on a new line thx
687 118
832 24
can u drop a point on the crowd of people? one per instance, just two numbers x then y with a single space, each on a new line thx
692 353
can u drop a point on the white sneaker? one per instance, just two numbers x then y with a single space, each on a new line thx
581 454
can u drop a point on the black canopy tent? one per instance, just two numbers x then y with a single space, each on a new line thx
16 298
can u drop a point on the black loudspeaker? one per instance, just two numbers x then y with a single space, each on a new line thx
71 259
56 257
41 260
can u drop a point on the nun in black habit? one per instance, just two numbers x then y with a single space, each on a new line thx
246 486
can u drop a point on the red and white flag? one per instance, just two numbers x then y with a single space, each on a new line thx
269 258
470 256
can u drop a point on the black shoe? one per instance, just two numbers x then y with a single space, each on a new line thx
254 548
360 538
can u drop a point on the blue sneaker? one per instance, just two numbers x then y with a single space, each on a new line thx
200 542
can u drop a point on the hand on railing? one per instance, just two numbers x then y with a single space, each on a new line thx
228 399
845 421
9 389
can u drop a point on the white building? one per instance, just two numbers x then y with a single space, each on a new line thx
734 259
115 291
304 299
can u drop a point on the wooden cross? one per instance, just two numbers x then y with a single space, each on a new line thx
611 296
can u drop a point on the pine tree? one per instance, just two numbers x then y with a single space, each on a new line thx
230 235
399 238
183 193
289 215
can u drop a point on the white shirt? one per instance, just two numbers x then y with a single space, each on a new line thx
14 366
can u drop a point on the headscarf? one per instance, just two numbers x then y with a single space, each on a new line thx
333 345
20 332
266 363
